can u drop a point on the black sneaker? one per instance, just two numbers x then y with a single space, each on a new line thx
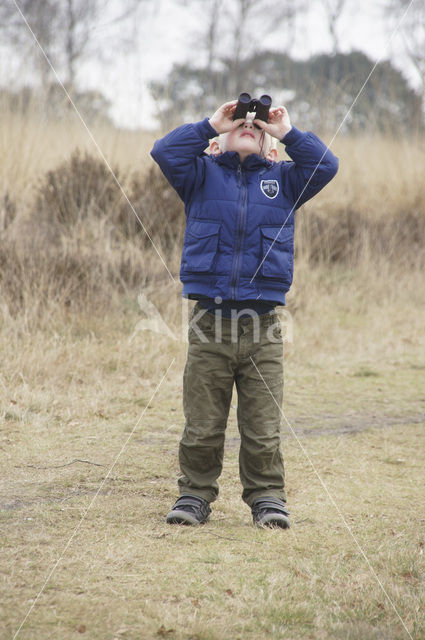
189 509
270 512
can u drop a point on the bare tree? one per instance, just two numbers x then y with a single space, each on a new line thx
410 18
42 17
67 31
212 30
232 32
333 10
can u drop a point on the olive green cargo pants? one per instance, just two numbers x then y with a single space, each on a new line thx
219 355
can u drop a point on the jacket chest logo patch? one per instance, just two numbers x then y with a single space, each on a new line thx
270 188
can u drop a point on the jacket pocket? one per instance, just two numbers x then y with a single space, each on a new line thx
200 245
277 253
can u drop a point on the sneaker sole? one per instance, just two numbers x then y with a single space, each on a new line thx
182 517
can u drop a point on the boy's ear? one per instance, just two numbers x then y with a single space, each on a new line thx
214 148
272 155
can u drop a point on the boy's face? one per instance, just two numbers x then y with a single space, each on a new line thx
245 140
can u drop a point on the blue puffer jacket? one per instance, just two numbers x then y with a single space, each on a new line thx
239 239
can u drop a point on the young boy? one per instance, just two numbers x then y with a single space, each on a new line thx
237 263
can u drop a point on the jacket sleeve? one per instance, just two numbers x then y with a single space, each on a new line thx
313 166
179 155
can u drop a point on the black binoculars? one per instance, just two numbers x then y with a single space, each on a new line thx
247 104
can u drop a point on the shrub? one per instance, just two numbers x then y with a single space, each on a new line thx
80 188
349 236
81 243
81 246
160 209
83 188
7 211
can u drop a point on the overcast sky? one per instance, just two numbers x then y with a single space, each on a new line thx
166 30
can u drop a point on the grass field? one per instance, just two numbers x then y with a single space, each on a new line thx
89 449
91 414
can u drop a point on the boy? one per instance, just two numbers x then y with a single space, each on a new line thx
237 263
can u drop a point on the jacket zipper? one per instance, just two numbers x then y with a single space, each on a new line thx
241 221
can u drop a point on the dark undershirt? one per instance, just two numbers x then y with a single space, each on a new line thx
226 306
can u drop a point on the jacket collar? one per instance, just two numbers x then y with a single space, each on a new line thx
252 162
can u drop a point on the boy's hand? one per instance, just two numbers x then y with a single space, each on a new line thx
278 124
222 121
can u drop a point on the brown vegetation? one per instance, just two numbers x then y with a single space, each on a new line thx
83 235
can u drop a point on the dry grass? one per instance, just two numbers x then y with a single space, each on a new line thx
62 224
378 176
76 379
30 147
76 396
